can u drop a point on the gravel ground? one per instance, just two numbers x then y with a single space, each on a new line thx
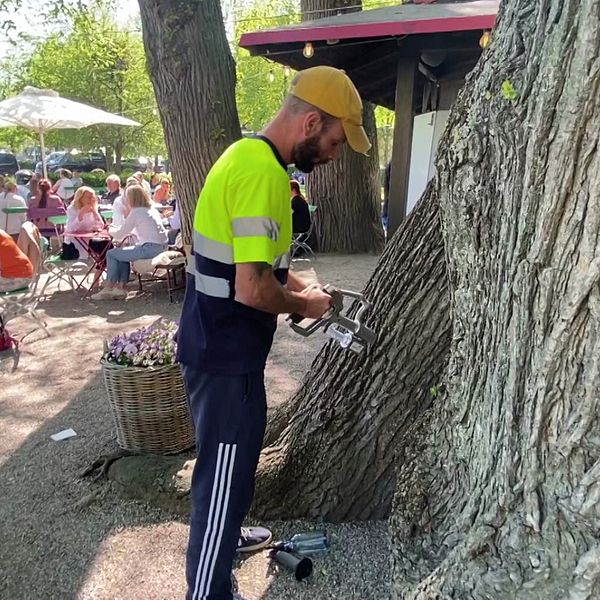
66 537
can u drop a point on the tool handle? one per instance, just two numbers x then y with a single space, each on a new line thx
295 318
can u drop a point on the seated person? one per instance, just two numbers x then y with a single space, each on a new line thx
76 180
143 220
16 270
10 199
300 210
64 186
113 189
83 216
33 187
174 223
162 194
154 181
23 177
142 181
44 198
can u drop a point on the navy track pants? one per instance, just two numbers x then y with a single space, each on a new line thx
229 413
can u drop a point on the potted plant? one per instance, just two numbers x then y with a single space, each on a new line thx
145 390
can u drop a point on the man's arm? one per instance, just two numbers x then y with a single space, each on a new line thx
295 283
257 287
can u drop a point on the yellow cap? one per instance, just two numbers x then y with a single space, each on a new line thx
332 91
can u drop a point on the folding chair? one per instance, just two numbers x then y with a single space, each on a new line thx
23 302
60 270
300 240
40 217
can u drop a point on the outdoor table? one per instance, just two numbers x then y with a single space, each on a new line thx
98 256
13 210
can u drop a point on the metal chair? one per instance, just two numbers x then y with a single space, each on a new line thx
300 240
40 217
60 270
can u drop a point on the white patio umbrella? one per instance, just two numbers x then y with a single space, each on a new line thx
41 110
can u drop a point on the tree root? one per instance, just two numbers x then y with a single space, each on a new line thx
103 463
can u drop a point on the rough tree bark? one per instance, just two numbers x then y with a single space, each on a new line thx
193 75
347 190
499 496
498 482
331 449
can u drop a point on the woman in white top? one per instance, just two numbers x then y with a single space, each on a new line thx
12 223
83 217
64 186
145 222
82 213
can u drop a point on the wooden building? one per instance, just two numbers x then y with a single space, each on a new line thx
411 58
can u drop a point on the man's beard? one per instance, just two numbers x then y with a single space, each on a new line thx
307 154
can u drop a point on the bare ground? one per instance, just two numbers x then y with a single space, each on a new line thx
62 536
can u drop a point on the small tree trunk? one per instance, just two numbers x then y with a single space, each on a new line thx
347 190
335 458
118 155
193 75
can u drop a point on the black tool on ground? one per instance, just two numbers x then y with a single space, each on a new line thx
348 332
300 567
313 544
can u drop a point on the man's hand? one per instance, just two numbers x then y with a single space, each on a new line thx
318 302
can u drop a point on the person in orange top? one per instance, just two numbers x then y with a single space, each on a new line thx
16 270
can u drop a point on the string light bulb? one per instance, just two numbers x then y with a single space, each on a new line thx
485 39
308 51
287 71
271 76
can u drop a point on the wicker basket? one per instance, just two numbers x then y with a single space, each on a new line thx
149 407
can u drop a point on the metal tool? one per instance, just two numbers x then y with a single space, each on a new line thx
347 332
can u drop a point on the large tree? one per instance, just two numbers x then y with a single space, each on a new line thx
496 455
346 191
194 80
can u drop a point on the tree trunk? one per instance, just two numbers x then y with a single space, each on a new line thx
498 482
118 155
498 496
193 75
334 459
347 190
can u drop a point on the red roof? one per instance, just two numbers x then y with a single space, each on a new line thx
406 19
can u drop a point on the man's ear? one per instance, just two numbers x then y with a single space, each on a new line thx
312 123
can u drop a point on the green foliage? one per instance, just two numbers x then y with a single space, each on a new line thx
103 65
261 84
384 119
508 90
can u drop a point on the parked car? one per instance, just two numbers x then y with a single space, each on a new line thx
81 161
51 159
133 164
8 164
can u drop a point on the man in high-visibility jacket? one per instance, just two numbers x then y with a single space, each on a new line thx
238 282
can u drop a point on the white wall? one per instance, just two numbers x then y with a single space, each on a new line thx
427 130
